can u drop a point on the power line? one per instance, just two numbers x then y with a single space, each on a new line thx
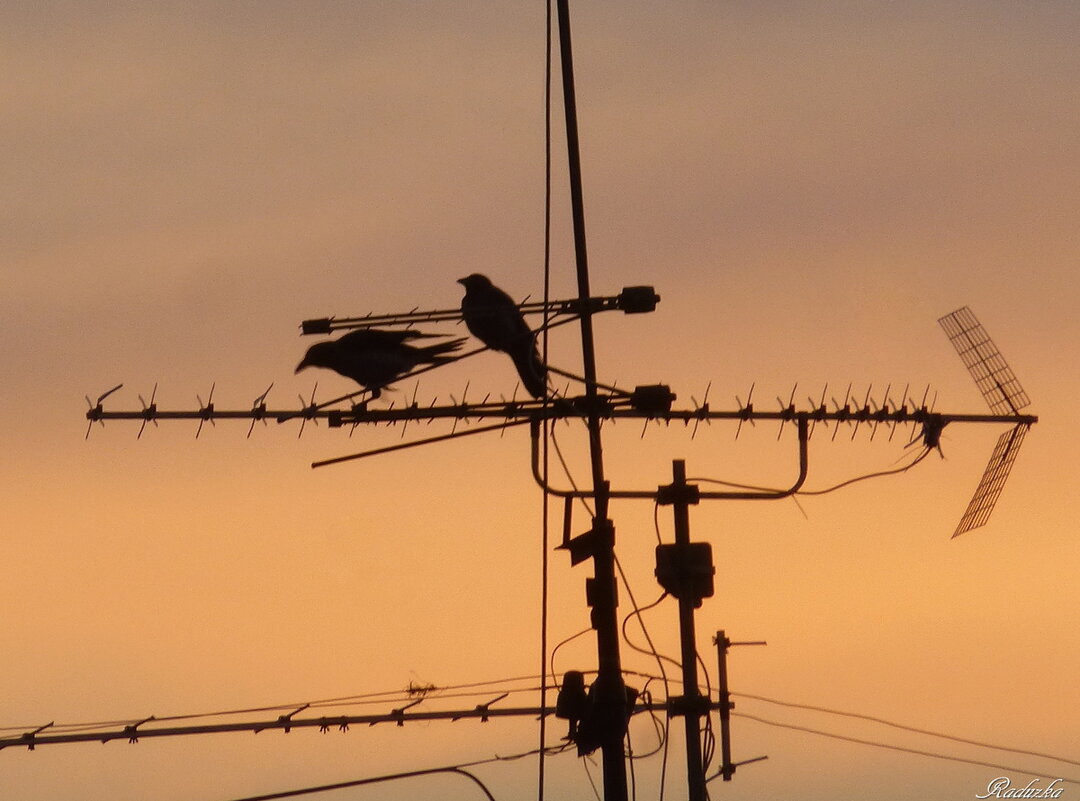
133 731
432 692
904 727
588 774
476 689
637 610
651 651
459 768
413 774
545 550
901 748
659 728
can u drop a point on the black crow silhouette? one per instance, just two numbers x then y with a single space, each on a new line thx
492 317
375 358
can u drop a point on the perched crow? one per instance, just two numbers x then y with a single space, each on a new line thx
493 318
375 358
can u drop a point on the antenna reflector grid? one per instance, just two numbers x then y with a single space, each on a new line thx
993 480
984 361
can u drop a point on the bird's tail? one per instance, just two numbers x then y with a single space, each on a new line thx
532 370
441 352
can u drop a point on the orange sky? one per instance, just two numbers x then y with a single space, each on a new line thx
808 189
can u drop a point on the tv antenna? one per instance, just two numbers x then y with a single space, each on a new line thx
684 568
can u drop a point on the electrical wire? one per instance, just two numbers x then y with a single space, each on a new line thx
637 612
555 650
412 774
661 658
588 773
485 687
381 697
664 758
708 745
658 727
661 728
637 609
752 487
654 652
922 455
935 755
544 600
667 721
882 721
903 727
544 557
459 768
566 470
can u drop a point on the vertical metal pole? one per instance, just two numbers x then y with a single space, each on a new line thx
610 690
691 701
722 643
577 205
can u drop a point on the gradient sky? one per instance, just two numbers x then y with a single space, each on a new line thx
808 186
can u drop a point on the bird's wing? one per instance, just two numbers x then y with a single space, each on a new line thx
494 318
379 337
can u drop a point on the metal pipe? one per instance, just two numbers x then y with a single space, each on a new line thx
609 688
722 644
804 438
691 700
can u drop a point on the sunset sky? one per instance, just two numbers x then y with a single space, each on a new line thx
808 186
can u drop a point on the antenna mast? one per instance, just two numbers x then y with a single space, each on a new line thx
601 592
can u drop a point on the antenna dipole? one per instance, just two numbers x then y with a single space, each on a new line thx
631 300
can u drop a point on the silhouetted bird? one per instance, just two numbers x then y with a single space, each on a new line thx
493 318
375 358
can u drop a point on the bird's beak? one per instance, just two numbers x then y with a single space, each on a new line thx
461 281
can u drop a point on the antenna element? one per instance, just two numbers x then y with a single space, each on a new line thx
980 355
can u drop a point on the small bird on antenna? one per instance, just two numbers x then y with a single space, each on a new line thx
492 317
375 358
